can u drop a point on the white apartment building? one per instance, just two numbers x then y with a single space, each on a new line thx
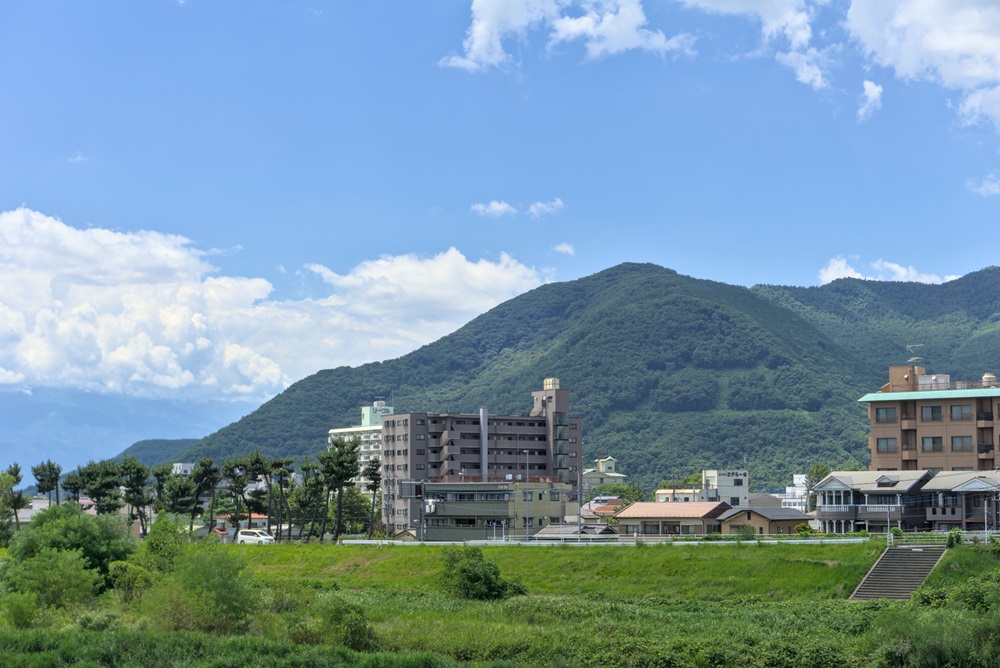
369 432
730 486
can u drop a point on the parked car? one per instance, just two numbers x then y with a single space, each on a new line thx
254 536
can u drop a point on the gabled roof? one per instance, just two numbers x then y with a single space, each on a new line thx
964 481
684 510
868 481
770 514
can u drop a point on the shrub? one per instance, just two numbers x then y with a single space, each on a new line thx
100 540
129 580
467 574
98 620
745 532
55 577
20 609
803 529
164 544
209 591
347 625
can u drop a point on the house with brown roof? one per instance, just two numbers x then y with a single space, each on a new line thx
651 519
767 520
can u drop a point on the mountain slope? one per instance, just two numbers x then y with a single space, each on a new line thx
669 373
957 323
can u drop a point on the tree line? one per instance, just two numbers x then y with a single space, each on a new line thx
298 506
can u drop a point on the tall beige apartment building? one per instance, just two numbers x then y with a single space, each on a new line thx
543 446
927 422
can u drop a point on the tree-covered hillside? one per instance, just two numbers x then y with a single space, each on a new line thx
957 323
670 374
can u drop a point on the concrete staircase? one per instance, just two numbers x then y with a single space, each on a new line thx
899 571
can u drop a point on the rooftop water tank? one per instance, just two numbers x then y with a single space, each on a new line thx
989 380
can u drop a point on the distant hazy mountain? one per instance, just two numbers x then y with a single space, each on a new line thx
72 427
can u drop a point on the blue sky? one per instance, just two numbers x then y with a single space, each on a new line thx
210 199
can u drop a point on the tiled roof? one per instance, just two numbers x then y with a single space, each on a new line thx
948 480
867 481
768 513
656 510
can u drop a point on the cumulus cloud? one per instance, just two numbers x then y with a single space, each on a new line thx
539 209
609 28
605 27
786 21
872 101
143 313
564 248
884 270
494 209
955 44
987 186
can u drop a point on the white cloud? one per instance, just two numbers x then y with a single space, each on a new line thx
987 186
884 270
565 248
494 209
955 44
78 157
611 27
872 101
787 21
606 27
142 313
539 209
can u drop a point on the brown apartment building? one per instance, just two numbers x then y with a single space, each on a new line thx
543 446
927 422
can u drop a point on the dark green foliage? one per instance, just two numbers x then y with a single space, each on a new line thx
209 590
129 580
668 373
101 482
164 544
19 609
627 493
346 624
155 451
467 574
100 540
55 578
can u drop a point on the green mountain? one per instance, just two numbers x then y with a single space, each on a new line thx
957 324
670 374
157 450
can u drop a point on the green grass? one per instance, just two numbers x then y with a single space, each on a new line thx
709 572
652 606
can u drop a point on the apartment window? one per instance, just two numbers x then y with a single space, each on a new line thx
885 445
420 452
421 421
962 468
885 415
961 443
963 412
930 413
553 495
527 495
733 500
738 482
421 437
420 467
932 444
572 455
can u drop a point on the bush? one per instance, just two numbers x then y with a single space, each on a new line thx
55 577
129 580
347 625
100 540
803 529
164 544
209 591
19 609
467 574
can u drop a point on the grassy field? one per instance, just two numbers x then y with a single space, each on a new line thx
707 572
647 606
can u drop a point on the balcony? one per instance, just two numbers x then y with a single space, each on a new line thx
836 512
984 419
879 511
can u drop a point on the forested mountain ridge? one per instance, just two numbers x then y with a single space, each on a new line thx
670 374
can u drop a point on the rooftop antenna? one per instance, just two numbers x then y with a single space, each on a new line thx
912 348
